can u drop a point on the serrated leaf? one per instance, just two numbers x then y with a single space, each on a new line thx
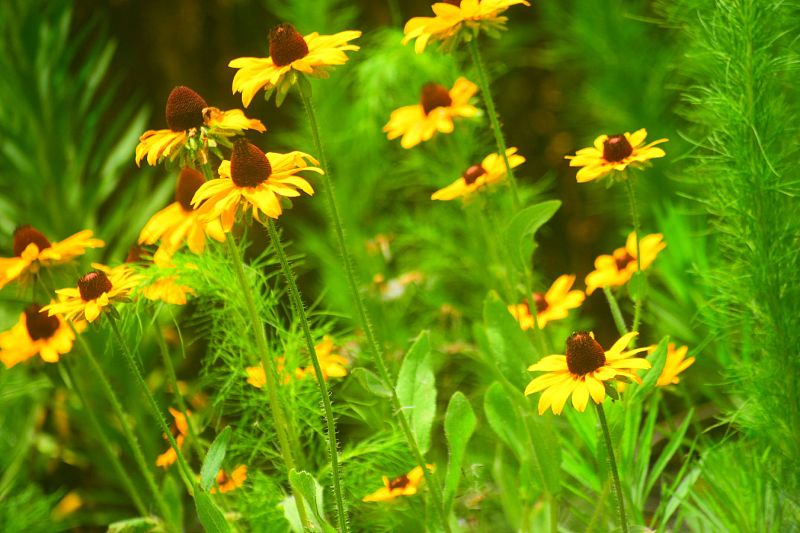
210 515
511 349
416 389
523 227
459 424
370 382
213 461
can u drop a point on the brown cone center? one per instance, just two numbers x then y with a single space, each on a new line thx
472 174
184 109
93 285
189 181
286 45
39 325
616 148
399 482
584 354
249 165
624 261
541 303
433 96
25 235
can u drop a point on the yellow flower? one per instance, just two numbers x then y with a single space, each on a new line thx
33 250
491 170
290 52
617 269
95 291
252 179
36 333
584 371
192 125
676 363
435 112
332 365
257 378
552 305
70 503
452 18
230 482
403 485
179 430
614 152
178 223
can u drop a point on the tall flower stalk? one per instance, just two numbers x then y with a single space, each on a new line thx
637 230
612 465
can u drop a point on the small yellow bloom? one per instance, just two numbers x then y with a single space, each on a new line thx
614 152
395 288
33 250
491 170
95 291
552 305
403 485
37 333
252 179
70 503
179 430
192 124
290 52
676 363
230 482
583 371
454 20
617 269
332 365
435 112
258 379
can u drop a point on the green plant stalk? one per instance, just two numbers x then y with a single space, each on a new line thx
278 415
615 312
483 82
637 312
612 465
377 356
300 310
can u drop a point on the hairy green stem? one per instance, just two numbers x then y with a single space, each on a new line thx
612 465
375 349
637 312
615 312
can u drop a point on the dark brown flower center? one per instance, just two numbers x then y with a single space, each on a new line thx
624 261
456 3
93 285
616 148
286 45
584 354
472 174
400 482
541 303
134 254
184 109
25 235
40 326
433 96
189 181
249 165
222 478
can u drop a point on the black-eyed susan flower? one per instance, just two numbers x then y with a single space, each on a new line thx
584 371
192 128
179 223
227 483
165 287
403 485
555 304
36 333
33 250
491 170
434 113
332 365
290 52
253 180
614 152
454 20
179 430
95 293
257 378
617 269
676 363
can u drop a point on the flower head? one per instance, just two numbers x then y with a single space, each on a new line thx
435 112
491 170
289 53
614 152
36 333
331 364
96 291
254 180
33 250
179 430
258 379
676 363
584 371
230 482
552 305
617 269
403 485
193 128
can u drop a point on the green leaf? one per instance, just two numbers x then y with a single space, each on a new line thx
511 349
135 525
504 419
657 359
213 461
669 450
307 487
370 382
173 499
459 424
209 514
416 389
520 231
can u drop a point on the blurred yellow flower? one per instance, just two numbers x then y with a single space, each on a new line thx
179 430
96 291
230 482
491 170
332 366
37 333
617 269
552 305
257 378
614 152
70 503
435 112
403 485
289 52
676 363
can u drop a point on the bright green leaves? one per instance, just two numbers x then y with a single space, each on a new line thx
658 358
209 514
416 390
459 424
520 231
510 348
310 490
213 461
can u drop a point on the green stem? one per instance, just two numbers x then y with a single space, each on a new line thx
278 415
637 312
483 82
375 350
300 311
612 465
615 312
